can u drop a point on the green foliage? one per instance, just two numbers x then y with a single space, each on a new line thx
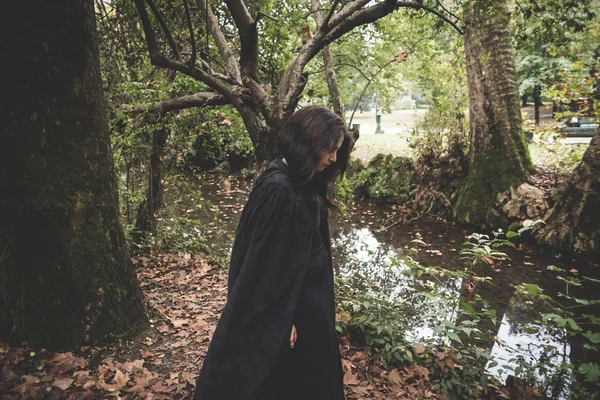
203 138
561 318
376 320
186 224
591 372
480 248
555 50
558 157
386 178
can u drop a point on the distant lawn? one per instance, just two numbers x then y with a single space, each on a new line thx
398 116
369 145
558 157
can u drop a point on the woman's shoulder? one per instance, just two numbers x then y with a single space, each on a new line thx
278 185
281 186
276 177
276 182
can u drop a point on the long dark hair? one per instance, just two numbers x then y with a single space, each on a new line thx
303 139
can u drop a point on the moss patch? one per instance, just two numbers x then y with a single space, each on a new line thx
490 174
386 178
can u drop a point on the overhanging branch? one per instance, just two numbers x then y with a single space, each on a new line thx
189 101
348 18
325 23
158 59
372 14
240 13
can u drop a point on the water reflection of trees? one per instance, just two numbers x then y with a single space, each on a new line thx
386 273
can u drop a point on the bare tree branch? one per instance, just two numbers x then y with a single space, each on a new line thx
231 65
324 23
240 13
289 87
352 66
148 31
372 14
156 58
261 14
249 55
193 100
366 87
417 6
334 92
439 3
191 29
165 29
341 23
346 11
206 67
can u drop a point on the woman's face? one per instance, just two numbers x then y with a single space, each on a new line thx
330 156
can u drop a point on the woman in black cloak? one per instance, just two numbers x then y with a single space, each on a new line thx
276 338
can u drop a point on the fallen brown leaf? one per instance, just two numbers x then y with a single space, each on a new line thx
350 378
63 382
65 362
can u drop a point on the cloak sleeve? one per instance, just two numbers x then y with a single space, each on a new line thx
268 265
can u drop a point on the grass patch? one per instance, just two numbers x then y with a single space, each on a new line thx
369 145
558 157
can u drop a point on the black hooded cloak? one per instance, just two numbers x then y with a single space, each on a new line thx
280 275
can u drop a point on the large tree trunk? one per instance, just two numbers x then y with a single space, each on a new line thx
498 155
573 224
65 274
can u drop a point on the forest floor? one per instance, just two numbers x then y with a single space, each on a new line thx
187 295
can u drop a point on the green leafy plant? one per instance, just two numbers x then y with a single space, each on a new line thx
560 316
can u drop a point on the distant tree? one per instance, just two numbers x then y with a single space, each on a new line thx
546 36
65 273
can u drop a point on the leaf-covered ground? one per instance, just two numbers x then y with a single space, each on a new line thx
187 295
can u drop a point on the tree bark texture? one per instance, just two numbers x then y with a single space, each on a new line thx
65 274
498 154
147 213
573 223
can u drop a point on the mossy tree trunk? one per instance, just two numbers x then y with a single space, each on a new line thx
573 224
65 274
498 155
